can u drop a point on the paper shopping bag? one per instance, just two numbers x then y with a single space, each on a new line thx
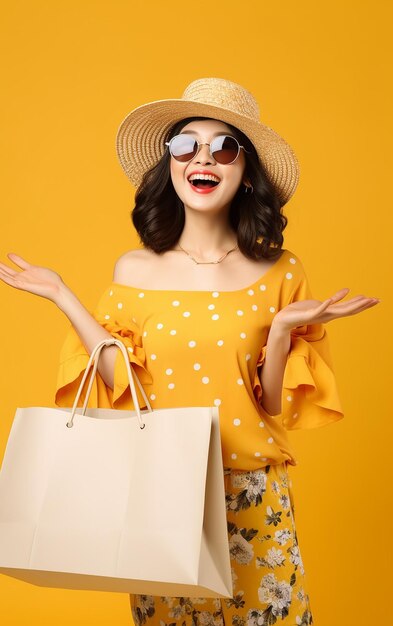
113 500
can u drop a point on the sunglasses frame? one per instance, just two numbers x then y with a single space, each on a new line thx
239 147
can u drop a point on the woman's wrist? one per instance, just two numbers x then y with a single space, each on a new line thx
279 329
65 299
279 338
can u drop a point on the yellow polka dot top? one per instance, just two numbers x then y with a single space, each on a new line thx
206 348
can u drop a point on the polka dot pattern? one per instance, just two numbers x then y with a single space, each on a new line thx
203 348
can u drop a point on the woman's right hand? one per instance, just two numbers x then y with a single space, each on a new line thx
46 283
41 281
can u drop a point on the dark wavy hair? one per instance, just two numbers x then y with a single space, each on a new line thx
159 215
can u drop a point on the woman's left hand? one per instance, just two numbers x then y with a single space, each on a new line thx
315 312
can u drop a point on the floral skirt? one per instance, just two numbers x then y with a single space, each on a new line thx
268 576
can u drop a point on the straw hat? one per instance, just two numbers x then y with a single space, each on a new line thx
141 135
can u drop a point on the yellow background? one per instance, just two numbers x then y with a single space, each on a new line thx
70 72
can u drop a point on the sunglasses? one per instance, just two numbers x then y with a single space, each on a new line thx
224 148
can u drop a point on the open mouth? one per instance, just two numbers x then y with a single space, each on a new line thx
205 181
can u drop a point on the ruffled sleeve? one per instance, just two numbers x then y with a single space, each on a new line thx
74 359
309 396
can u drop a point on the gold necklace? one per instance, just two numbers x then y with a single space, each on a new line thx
208 262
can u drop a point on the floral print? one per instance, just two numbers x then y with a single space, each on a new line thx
144 610
252 485
268 576
240 550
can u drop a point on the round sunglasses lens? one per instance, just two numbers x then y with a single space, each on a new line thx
225 149
183 148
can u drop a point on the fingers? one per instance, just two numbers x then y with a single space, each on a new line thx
356 303
339 295
15 258
324 305
6 278
7 270
365 303
336 297
354 306
316 312
329 307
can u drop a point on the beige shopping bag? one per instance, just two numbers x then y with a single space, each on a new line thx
110 500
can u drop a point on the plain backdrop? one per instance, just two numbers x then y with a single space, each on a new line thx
70 72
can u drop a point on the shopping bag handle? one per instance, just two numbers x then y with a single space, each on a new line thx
125 355
93 363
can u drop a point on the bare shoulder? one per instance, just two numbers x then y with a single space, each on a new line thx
132 263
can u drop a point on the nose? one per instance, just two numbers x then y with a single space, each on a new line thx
203 155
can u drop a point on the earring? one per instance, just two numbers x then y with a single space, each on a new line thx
248 189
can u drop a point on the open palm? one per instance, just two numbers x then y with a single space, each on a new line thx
315 312
41 281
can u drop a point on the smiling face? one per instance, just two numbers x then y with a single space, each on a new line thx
225 179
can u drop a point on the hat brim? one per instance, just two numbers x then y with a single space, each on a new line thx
141 135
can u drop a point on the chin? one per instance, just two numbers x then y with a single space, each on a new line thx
206 201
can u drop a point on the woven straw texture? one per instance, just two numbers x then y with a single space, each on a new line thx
140 140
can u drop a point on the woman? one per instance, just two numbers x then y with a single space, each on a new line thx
214 311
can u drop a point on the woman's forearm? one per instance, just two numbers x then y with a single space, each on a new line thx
272 371
89 331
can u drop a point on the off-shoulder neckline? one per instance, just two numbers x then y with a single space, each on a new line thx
271 269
